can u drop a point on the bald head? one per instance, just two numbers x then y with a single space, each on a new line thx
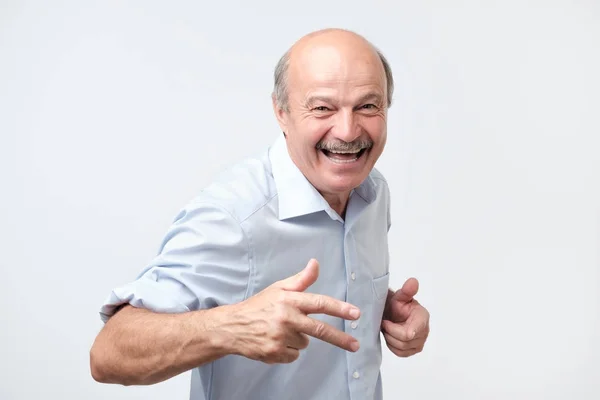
323 52
332 92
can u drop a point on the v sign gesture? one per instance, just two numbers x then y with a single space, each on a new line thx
405 324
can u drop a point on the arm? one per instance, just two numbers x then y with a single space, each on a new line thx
169 324
141 347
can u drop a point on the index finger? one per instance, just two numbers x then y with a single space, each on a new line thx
310 303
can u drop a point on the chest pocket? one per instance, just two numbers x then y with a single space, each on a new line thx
381 285
370 242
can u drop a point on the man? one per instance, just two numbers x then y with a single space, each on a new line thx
230 295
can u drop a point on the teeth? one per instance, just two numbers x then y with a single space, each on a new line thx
345 152
338 161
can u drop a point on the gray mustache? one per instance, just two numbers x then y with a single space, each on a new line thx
345 146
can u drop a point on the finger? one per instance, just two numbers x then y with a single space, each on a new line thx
418 322
421 330
310 303
404 346
303 279
400 312
298 341
326 333
403 353
399 331
408 291
284 357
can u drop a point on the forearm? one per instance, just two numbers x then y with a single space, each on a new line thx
140 347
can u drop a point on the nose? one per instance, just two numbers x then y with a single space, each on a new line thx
346 127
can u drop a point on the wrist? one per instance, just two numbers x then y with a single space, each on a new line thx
220 324
203 337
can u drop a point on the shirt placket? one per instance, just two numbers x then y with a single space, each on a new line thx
355 281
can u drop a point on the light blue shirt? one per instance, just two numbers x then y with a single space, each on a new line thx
260 222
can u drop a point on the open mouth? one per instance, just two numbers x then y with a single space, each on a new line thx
344 157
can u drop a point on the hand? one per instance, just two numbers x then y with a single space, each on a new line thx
405 324
273 326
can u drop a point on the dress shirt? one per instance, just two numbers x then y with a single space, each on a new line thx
259 222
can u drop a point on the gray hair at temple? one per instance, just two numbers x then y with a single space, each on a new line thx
280 88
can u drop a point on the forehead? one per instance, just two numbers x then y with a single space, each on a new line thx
343 69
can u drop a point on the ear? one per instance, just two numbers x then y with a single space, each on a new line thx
281 115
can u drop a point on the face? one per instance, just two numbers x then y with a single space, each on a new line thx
335 125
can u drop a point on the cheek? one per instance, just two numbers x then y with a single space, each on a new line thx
375 127
312 131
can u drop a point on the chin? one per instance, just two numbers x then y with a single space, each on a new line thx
343 184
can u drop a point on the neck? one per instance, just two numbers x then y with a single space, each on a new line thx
338 202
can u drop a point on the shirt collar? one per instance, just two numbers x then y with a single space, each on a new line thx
296 195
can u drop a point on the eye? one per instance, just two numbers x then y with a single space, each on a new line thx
321 108
369 106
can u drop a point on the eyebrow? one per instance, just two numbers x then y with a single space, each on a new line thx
374 97
313 99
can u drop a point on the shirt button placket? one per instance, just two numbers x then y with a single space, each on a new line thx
352 297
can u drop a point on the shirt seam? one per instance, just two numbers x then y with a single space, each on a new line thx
251 268
248 234
258 208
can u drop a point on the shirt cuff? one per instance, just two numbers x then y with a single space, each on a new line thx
142 293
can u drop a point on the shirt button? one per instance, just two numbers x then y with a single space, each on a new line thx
356 375
354 324
353 276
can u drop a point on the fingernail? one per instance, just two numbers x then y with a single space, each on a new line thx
413 334
354 312
354 346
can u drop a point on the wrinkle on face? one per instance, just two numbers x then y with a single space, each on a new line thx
337 92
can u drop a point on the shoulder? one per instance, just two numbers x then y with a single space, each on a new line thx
240 190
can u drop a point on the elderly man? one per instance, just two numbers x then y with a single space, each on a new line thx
230 294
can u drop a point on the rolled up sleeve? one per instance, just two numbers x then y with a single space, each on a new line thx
203 262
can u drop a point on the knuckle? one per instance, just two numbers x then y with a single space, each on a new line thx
319 303
319 329
277 336
273 349
401 346
387 337
281 315
281 297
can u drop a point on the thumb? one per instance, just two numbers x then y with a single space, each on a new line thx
407 292
303 279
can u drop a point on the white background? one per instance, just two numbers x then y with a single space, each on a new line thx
114 114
